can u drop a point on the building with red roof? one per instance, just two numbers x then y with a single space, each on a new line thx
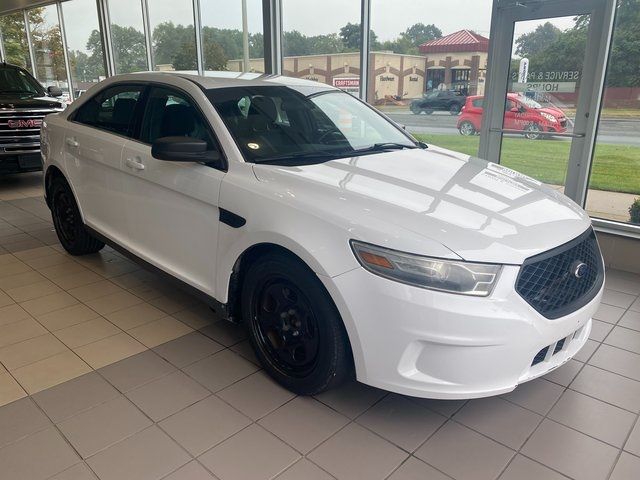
457 61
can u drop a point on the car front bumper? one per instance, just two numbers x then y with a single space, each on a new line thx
431 344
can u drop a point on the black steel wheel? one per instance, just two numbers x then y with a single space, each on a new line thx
294 327
68 222
286 326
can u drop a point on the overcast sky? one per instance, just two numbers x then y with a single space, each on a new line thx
311 17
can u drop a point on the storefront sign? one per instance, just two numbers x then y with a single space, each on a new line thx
351 84
546 87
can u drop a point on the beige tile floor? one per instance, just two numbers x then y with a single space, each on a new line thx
107 372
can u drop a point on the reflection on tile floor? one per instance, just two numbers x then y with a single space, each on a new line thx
107 372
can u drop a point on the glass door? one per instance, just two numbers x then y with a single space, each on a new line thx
544 89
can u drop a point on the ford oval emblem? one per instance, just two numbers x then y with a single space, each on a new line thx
580 269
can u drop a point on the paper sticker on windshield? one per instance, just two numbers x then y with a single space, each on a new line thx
253 146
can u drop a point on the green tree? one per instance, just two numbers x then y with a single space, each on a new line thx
350 35
129 50
15 40
537 41
419 33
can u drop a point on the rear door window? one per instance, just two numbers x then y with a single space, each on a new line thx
112 110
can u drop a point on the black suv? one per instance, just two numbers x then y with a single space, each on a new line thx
447 100
23 105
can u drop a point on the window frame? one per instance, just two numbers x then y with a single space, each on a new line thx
136 111
224 163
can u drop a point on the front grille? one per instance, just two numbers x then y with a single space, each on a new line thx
20 130
563 123
550 282
540 356
559 346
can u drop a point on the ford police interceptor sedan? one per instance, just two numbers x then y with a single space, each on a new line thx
346 246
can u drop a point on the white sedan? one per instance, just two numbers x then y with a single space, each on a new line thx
345 245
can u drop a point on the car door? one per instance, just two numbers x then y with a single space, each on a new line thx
172 207
511 115
93 153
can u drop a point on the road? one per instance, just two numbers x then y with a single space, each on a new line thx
616 131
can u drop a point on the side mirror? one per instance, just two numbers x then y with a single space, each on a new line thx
54 91
183 149
515 110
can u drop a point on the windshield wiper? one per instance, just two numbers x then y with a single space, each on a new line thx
306 157
381 147
17 92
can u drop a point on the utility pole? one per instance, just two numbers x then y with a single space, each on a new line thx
245 37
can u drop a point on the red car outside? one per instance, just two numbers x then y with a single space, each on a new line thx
521 113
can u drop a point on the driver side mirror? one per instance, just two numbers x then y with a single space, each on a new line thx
184 149
54 91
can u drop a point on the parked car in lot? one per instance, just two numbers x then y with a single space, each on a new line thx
23 105
445 100
522 114
342 243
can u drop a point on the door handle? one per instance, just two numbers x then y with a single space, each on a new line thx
134 163
72 142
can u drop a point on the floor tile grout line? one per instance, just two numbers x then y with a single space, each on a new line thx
615 463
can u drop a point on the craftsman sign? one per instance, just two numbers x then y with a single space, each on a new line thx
545 87
350 84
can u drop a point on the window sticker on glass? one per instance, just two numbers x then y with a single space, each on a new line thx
243 105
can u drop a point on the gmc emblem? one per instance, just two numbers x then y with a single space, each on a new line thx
31 123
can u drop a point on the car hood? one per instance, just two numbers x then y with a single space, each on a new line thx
480 211
7 101
556 112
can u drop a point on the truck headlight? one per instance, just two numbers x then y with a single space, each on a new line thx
451 276
549 117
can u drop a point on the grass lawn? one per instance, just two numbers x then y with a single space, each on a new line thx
616 168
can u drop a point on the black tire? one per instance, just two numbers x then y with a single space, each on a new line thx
67 220
533 131
467 129
294 327
428 111
455 109
415 109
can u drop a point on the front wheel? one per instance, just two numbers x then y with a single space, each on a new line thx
294 327
68 222
467 129
533 131
415 109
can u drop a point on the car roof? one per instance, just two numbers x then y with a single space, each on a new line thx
217 79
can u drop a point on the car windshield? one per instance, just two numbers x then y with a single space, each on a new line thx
289 125
16 82
527 102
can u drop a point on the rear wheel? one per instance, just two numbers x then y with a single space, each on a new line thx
294 327
533 131
68 222
415 109
428 111
467 129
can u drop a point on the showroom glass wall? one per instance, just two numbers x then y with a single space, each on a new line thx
323 47
106 37
614 182
410 54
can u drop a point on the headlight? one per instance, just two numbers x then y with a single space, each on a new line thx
549 117
451 276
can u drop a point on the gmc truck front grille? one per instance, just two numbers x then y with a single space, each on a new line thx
20 130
